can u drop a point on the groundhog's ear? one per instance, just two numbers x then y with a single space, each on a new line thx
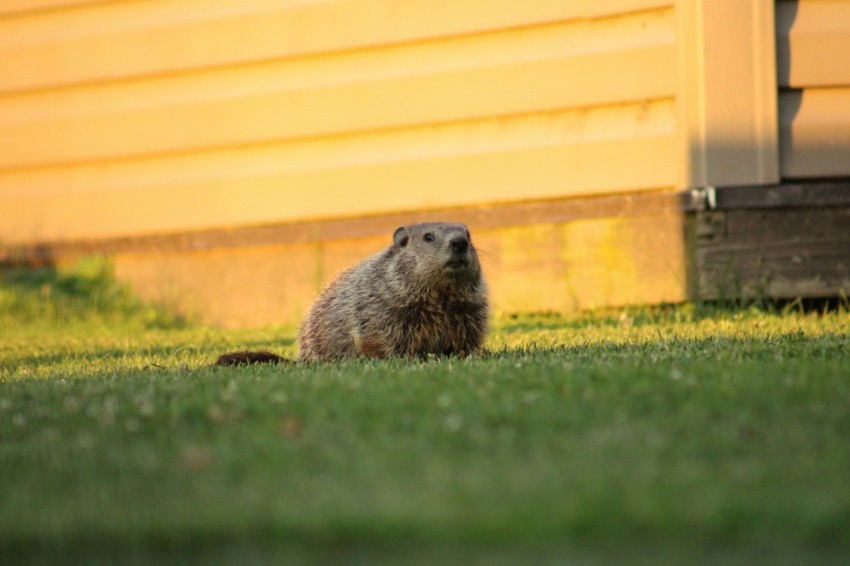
401 237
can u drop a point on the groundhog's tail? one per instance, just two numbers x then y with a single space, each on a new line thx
245 358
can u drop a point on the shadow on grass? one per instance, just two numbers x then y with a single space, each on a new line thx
172 356
367 544
85 290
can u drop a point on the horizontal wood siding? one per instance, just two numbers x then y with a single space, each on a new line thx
128 39
234 109
813 47
29 7
813 52
815 132
133 118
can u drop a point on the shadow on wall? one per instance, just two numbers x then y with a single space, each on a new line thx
790 100
786 16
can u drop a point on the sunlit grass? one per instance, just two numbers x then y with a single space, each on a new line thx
656 435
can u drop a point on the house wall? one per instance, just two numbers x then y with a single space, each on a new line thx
233 155
779 234
813 63
134 118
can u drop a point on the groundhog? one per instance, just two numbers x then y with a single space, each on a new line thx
425 294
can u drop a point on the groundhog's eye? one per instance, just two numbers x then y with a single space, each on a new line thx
428 237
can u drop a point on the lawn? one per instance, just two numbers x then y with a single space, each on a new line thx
688 434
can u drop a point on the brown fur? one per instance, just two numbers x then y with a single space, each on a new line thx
425 294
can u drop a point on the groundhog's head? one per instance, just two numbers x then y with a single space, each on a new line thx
437 250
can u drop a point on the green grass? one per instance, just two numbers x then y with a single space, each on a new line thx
669 435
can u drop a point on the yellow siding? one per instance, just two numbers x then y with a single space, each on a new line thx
21 7
813 44
123 39
56 128
727 93
815 132
603 150
135 118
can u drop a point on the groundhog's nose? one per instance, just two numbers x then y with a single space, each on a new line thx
459 245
